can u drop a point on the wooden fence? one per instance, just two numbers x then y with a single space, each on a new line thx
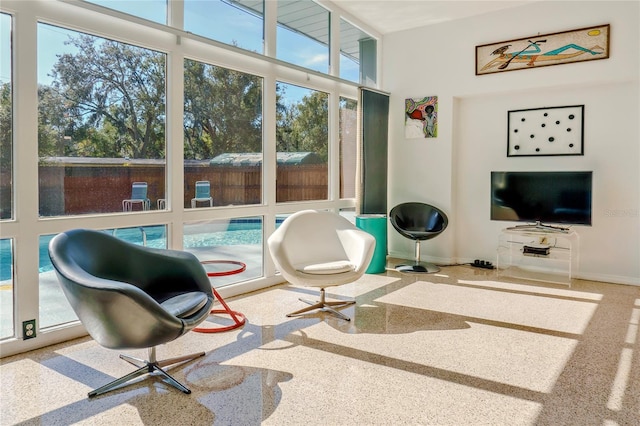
71 187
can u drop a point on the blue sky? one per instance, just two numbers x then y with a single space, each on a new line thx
5 47
216 20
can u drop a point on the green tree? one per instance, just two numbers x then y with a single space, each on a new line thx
6 126
115 85
285 117
6 150
222 109
107 99
52 123
310 125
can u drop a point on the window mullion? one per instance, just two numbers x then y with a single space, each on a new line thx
270 27
175 145
25 136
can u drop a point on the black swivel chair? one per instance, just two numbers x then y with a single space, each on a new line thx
419 222
131 297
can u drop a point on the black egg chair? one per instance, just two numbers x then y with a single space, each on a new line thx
418 222
132 297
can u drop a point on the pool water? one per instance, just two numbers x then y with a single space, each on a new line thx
237 233
228 238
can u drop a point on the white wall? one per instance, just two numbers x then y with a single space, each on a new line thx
452 171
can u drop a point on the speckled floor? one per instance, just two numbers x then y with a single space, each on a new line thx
462 347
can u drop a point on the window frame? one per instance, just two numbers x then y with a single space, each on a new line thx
26 227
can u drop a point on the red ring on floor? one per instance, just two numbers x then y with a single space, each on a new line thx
242 267
238 318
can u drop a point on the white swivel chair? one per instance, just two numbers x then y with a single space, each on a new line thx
321 249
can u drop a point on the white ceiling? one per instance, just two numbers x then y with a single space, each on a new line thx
388 16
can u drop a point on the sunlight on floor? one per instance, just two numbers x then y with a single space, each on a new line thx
463 348
509 307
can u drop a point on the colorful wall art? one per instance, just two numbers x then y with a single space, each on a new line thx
421 117
546 131
585 44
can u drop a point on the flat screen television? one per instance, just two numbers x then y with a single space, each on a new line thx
542 197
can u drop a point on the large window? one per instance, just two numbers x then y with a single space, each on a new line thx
6 119
239 23
357 54
153 10
114 98
6 288
6 177
348 147
236 240
53 305
302 144
101 124
303 34
54 309
222 136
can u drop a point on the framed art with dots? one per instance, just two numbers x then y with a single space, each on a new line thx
546 131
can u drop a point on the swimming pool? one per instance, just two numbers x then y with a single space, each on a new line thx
236 232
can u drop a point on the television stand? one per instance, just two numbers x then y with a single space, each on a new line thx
539 253
539 226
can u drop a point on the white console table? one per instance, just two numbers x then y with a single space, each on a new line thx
558 266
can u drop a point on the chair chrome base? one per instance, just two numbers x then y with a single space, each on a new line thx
418 268
150 367
324 306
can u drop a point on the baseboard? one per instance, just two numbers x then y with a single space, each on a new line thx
613 279
589 276
442 261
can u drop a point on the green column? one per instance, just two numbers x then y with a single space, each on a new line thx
376 225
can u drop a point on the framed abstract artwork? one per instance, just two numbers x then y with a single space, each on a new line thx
546 131
421 117
584 44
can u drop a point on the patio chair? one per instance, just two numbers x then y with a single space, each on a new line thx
138 196
203 194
